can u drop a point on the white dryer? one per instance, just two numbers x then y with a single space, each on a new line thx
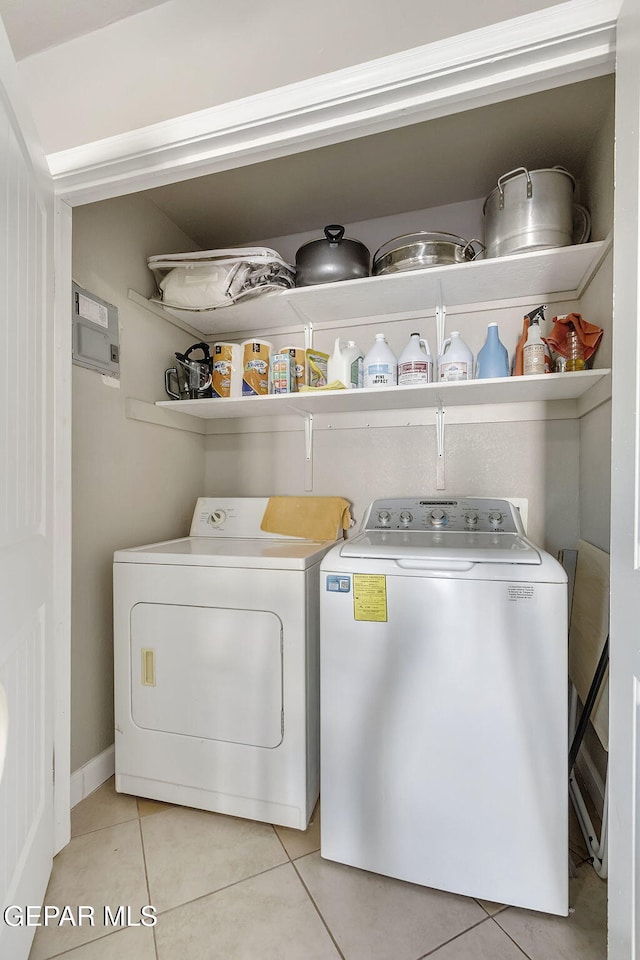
444 702
216 667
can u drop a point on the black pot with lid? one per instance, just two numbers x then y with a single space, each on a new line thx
331 258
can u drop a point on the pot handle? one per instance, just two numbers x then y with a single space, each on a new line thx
206 355
507 176
476 253
167 380
581 223
334 233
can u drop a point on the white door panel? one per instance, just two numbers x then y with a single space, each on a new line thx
624 677
208 672
26 497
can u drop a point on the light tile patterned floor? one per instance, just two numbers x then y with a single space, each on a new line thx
231 889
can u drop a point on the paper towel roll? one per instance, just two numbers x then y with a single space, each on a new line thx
255 367
227 370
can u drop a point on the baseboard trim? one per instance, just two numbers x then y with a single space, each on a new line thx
92 775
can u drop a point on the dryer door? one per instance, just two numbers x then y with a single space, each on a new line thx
208 672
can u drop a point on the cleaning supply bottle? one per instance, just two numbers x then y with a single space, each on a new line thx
575 351
533 356
493 359
536 315
380 364
345 364
415 364
456 359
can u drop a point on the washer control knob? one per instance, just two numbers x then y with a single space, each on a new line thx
438 517
384 517
217 518
471 518
495 518
406 517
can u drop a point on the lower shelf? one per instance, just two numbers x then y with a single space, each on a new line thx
578 387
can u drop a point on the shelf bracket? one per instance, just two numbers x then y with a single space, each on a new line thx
440 482
308 335
308 451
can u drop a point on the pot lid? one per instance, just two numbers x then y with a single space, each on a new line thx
422 236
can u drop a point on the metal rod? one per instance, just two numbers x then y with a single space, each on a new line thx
594 689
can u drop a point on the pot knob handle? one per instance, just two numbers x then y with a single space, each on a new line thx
334 233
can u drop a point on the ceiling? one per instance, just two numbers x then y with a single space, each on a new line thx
417 167
35 25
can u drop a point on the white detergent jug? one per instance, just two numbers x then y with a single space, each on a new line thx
415 364
345 364
456 360
380 364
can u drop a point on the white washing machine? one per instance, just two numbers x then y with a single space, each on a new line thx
444 702
216 667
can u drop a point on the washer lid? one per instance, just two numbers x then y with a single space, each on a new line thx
468 547
232 552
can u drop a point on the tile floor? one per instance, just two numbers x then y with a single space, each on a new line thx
230 889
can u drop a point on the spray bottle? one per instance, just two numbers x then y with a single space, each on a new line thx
533 359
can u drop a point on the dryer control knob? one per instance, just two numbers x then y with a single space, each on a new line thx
217 518
471 518
406 517
384 517
495 517
438 517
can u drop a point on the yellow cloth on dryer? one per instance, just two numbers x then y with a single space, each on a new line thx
315 518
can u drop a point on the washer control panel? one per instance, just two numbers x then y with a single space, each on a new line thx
460 514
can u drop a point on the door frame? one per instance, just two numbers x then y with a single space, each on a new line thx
62 337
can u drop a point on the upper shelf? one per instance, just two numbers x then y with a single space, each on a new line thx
565 270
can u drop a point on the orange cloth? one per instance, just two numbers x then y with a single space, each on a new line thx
589 334
315 518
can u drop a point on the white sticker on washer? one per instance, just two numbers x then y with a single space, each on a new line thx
520 591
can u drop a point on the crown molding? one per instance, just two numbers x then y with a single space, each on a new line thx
562 44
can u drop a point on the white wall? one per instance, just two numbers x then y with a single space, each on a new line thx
132 482
189 55
536 459
595 428
596 307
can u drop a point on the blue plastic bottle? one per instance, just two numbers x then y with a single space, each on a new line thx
493 359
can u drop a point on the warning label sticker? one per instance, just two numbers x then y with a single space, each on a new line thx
520 591
370 597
